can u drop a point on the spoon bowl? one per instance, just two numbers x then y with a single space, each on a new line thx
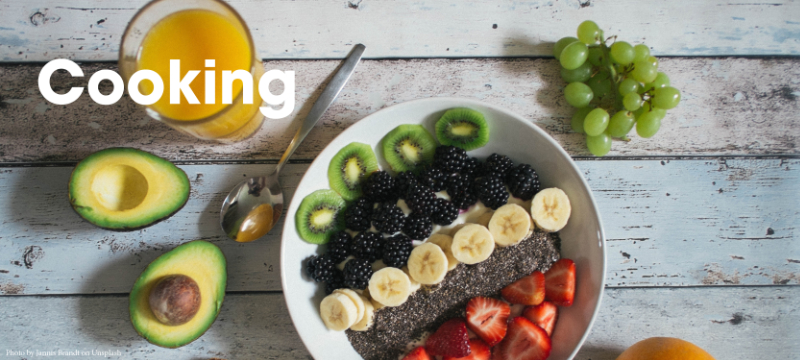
254 206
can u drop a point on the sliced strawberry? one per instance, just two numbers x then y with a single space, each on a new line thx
488 317
417 354
560 282
544 315
526 291
480 351
451 339
525 341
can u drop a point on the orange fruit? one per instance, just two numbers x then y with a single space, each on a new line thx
664 348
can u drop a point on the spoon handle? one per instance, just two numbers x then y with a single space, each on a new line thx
324 101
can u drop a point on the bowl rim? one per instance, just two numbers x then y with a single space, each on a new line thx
464 101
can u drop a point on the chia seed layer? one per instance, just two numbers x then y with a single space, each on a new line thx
394 328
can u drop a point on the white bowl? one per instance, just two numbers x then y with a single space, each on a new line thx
582 240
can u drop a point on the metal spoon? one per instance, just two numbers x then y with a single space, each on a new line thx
254 206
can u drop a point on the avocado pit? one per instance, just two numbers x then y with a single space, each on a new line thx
175 299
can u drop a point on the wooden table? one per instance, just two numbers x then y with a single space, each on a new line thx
702 220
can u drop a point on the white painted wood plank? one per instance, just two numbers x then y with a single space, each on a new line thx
730 323
91 29
680 223
731 106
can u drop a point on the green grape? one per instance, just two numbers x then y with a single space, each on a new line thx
596 122
653 61
661 81
647 125
574 55
628 86
645 108
561 44
644 72
642 52
596 56
666 97
577 119
621 124
599 145
622 53
632 101
578 94
661 113
581 74
600 84
589 33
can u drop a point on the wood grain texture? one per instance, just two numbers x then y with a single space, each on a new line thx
732 106
668 223
728 322
91 29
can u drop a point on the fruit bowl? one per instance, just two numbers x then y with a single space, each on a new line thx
582 240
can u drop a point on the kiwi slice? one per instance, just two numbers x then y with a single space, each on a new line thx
320 215
462 127
408 148
350 167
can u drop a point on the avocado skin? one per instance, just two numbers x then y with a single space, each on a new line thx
74 202
146 280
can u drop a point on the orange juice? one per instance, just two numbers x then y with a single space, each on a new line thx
194 36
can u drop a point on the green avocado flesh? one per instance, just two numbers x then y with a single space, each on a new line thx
127 189
205 264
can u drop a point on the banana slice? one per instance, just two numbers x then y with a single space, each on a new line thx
485 218
446 243
526 204
472 244
551 209
427 264
369 315
390 286
414 284
376 305
356 300
510 224
338 312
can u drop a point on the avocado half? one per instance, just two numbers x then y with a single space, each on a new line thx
127 189
205 264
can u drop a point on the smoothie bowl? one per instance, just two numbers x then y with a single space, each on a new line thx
395 330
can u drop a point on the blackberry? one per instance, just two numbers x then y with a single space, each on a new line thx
491 191
323 269
336 282
339 246
418 226
434 178
461 191
367 245
445 213
357 273
449 158
465 201
356 217
497 164
471 167
388 218
311 266
403 182
523 182
397 250
421 199
379 187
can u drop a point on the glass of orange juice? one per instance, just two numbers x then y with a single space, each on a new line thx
195 32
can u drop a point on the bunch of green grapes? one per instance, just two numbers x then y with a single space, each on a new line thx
615 87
